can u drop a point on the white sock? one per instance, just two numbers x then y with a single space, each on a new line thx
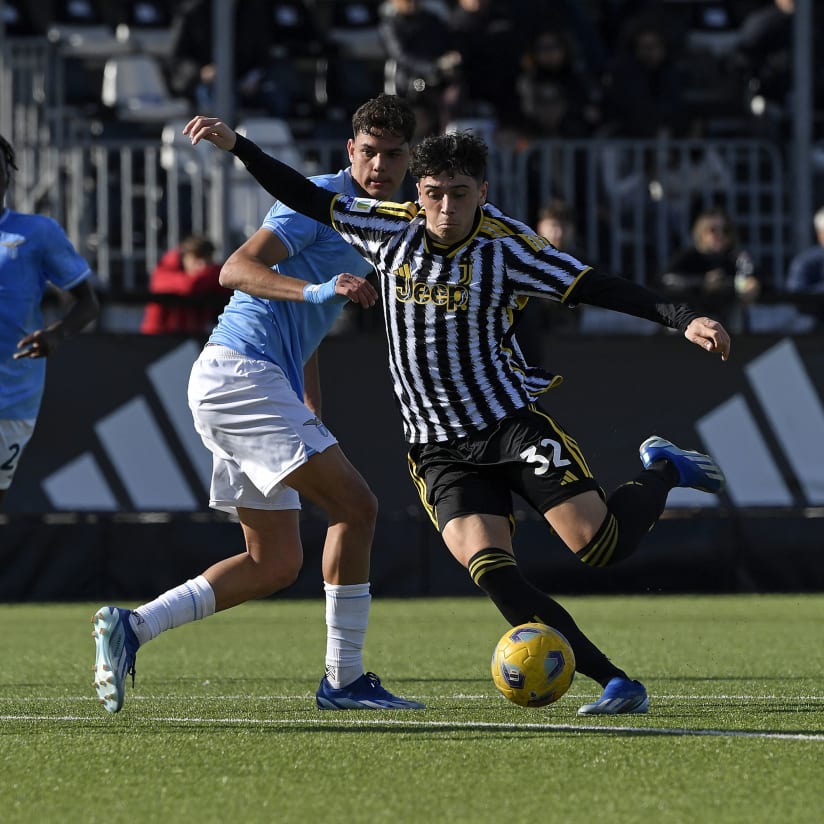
191 601
347 614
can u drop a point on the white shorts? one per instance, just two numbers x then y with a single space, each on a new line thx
14 435
256 427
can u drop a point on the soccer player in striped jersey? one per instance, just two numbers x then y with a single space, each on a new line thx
34 252
454 272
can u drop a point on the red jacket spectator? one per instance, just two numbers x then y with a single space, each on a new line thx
188 271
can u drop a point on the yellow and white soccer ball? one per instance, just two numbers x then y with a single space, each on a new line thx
533 665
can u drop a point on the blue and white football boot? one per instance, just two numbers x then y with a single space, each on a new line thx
366 693
695 469
115 652
620 697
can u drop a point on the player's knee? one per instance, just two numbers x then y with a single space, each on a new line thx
277 575
358 511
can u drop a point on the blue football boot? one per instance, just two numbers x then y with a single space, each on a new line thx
366 693
115 652
620 697
695 469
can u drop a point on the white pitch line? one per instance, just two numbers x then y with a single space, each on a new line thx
134 696
469 725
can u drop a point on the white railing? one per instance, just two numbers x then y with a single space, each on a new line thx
124 202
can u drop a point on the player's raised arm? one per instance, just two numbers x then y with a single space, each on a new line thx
281 181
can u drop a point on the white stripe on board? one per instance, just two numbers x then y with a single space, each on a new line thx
79 485
142 458
732 438
170 378
795 413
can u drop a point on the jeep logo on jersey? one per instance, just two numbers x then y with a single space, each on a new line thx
450 295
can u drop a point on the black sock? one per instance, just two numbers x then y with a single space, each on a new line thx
496 573
634 508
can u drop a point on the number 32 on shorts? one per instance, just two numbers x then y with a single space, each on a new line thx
532 456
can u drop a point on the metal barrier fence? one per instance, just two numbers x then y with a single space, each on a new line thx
124 202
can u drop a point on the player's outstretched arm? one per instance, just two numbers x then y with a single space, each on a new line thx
281 181
710 335
623 295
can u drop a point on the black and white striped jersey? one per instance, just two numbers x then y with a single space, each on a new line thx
449 312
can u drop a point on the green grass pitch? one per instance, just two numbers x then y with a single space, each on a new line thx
222 724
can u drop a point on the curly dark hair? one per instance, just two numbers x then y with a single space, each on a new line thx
385 113
454 153
7 157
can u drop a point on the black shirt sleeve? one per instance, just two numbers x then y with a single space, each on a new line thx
622 295
285 183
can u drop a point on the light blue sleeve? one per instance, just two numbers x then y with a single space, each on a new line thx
62 264
316 251
295 230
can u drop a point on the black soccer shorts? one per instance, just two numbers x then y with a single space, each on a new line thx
527 453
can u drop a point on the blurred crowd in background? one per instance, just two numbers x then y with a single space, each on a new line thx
519 72
534 68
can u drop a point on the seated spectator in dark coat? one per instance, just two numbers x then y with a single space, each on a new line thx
644 85
764 56
420 46
806 272
713 272
550 63
491 46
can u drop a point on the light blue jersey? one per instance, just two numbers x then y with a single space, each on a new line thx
288 332
34 251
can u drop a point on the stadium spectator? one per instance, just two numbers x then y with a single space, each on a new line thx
467 396
422 62
764 59
578 21
268 35
644 86
550 112
255 397
490 47
714 272
189 271
556 222
805 275
554 95
34 253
